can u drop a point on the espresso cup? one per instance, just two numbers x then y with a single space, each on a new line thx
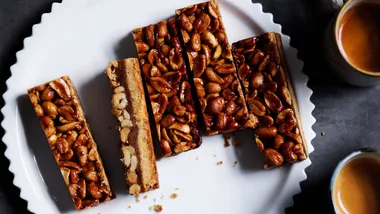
355 61
355 183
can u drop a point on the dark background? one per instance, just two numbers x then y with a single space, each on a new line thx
348 115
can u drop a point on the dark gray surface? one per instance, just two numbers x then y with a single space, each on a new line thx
348 115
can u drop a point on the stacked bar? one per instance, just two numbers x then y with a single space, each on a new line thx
60 113
270 96
129 108
210 60
164 71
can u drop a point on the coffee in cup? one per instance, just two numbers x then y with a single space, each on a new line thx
357 186
359 36
352 43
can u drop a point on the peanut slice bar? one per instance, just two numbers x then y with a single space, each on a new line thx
270 96
129 108
61 115
165 77
210 59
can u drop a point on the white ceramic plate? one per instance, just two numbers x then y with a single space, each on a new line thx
78 38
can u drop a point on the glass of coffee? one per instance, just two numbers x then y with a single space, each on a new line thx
352 42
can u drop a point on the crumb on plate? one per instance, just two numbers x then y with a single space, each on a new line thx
174 195
219 162
158 208
235 163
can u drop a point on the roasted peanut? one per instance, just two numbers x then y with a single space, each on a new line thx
195 41
208 38
221 121
62 89
69 127
257 79
149 35
230 108
190 10
208 120
212 9
266 132
179 110
287 151
212 88
185 36
295 137
185 22
185 93
203 104
217 52
142 47
273 157
256 57
273 102
266 120
182 136
201 23
271 86
93 189
74 178
243 71
166 147
81 152
224 69
229 94
69 164
207 52
175 59
160 84
89 172
227 81
220 36
278 141
173 137
67 156
180 127
256 107
263 64
285 94
50 109
68 113
215 105
260 144
287 126
213 77
285 115
215 25
62 145
298 149
163 102
47 94
242 112
199 65
46 122
162 29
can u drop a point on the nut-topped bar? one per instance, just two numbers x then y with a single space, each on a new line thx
164 71
270 96
60 113
130 110
211 62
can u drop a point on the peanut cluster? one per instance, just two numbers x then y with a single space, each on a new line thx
269 99
61 116
164 69
211 62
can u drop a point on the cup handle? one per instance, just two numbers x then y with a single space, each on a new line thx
337 4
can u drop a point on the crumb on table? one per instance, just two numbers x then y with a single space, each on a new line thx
137 198
129 206
146 196
177 188
323 133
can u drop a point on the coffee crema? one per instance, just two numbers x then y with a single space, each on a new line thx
357 187
359 36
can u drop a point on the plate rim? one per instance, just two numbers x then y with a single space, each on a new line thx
27 195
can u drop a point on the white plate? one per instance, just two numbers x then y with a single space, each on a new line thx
78 38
